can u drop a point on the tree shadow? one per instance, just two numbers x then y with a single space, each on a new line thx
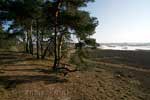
10 82
8 58
25 65
40 70
11 58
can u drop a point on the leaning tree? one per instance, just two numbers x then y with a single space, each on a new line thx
70 19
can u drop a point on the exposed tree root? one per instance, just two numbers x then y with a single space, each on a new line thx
65 69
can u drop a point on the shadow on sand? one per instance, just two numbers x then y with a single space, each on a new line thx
15 57
10 82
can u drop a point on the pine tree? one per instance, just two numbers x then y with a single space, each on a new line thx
55 20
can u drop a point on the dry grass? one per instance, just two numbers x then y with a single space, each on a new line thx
23 77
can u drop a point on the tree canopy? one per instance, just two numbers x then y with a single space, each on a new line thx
47 22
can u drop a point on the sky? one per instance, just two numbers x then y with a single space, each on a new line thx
121 20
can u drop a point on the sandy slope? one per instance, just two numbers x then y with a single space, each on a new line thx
25 78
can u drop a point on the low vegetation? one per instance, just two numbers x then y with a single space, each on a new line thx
23 77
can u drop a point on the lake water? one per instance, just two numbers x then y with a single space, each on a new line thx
122 47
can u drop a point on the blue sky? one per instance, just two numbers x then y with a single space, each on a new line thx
122 20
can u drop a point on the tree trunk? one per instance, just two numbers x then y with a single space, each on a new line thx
55 65
27 43
24 44
45 51
41 44
55 49
60 48
31 46
37 42
30 41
